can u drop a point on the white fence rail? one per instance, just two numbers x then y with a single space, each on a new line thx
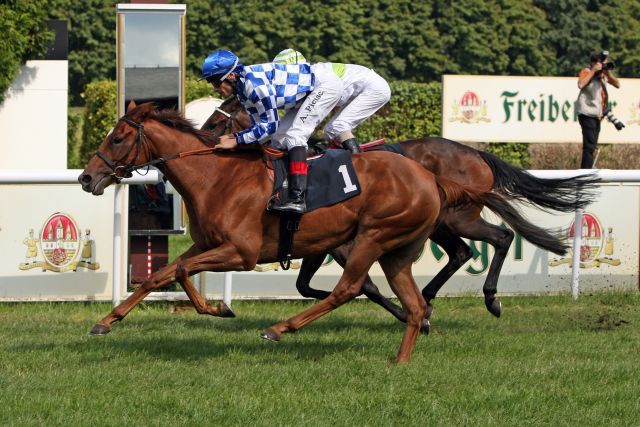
70 177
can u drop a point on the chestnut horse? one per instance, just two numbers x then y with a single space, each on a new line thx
467 166
226 194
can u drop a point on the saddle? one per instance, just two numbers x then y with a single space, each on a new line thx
331 179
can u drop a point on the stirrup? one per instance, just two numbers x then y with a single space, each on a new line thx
298 208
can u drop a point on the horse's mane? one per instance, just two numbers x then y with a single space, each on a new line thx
174 119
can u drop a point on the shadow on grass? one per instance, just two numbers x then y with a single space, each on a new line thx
206 338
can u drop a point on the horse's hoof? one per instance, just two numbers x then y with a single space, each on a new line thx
270 335
494 306
225 310
426 327
99 330
429 311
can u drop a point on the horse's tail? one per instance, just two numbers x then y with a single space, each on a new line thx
454 195
541 237
559 194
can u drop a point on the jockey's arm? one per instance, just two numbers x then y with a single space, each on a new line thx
261 105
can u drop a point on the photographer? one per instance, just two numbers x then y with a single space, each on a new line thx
593 101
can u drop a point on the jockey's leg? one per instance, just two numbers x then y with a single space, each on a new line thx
297 180
372 97
349 142
297 130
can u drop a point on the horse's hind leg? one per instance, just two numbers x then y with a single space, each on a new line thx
397 268
348 287
498 237
373 293
310 266
457 251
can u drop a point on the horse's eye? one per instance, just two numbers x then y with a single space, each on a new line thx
116 139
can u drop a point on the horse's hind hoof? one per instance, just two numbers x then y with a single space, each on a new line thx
429 311
225 310
270 335
494 306
426 327
99 330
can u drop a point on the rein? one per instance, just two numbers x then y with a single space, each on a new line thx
119 172
126 171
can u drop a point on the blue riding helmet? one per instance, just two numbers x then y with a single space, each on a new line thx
221 62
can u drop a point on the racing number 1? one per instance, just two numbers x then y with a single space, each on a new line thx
349 187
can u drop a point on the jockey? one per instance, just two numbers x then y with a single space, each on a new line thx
290 56
364 93
308 93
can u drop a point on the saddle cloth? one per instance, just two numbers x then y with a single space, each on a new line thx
331 179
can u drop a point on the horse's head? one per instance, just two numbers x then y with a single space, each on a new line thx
125 147
230 117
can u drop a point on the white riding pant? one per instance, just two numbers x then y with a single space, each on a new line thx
297 125
373 93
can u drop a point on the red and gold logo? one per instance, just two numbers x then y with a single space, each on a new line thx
470 109
60 243
596 246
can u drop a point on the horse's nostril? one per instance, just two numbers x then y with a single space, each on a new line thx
85 178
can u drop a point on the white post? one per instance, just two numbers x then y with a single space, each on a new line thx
577 244
226 292
117 243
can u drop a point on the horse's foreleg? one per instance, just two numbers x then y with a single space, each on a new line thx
458 253
199 302
160 278
309 267
223 258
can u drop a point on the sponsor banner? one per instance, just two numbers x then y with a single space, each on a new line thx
609 258
56 243
530 109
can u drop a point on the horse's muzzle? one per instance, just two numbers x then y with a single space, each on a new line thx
93 185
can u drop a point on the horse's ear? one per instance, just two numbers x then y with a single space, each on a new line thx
131 105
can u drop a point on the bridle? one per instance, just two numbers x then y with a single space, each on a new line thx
119 171
231 117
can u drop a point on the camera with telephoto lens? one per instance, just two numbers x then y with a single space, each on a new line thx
606 65
613 119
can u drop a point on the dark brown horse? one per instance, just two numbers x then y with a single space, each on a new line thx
467 166
226 194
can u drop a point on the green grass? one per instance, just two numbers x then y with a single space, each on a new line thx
547 361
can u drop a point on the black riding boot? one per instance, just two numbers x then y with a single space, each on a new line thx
297 181
352 145
297 191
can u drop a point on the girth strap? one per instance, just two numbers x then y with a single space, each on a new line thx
289 224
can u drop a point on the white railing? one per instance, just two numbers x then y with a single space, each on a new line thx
605 175
70 176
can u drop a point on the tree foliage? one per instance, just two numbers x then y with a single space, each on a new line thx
24 36
402 39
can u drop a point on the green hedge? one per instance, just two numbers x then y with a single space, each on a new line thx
414 111
99 116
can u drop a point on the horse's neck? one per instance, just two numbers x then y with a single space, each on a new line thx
194 175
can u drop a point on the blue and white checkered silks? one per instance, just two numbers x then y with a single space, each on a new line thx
264 89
